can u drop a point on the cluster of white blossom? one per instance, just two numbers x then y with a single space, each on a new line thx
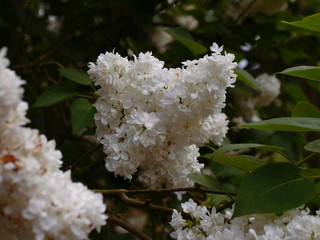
153 118
247 104
37 200
295 224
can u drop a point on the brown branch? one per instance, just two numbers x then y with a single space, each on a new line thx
192 189
128 227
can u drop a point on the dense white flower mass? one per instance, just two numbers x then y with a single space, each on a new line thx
295 224
37 200
153 118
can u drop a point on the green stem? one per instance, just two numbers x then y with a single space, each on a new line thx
306 159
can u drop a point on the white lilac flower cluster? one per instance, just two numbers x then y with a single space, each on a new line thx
37 200
295 224
153 118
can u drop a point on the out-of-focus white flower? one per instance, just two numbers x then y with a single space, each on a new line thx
270 86
187 21
295 224
37 200
153 118
247 104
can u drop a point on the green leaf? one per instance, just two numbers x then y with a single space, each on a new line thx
295 92
307 72
75 76
183 37
242 162
55 94
310 172
311 23
239 146
82 112
286 124
205 180
273 188
247 78
304 109
313 146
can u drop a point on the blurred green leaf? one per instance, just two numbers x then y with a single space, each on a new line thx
286 124
311 172
273 188
205 180
55 94
75 76
307 72
311 22
82 112
304 109
313 146
247 78
183 37
295 92
239 146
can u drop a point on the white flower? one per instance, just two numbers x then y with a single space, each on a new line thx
153 118
295 224
270 86
37 200
215 48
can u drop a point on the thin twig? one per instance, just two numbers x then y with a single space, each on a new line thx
192 189
128 227
87 154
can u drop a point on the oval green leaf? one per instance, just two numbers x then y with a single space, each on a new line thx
55 94
286 124
82 112
239 146
247 78
205 180
273 188
313 146
304 109
310 173
307 72
242 162
75 76
182 36
311 23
